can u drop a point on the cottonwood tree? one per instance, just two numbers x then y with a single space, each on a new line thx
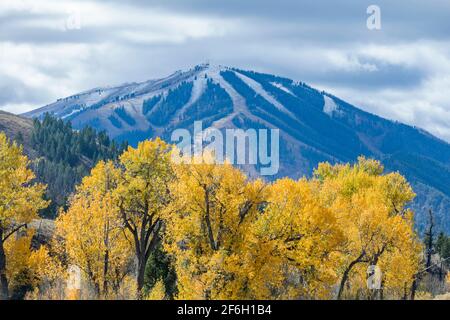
92 232
236 239
20 200
142 197
213 210
371 208
296 243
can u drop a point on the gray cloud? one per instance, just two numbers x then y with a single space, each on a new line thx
399 72
384 75
13 91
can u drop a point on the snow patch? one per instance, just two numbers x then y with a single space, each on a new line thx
329 107
281 87
72 113
257 87
198 88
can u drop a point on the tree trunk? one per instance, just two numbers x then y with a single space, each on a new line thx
382 290
208 221
105 274
4 292
430 240
373 262
142 262
344 280
414 288
143 254
346 274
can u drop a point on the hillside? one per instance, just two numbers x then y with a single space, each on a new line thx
18 128
314 126
60 156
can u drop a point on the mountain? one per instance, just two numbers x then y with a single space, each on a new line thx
314 126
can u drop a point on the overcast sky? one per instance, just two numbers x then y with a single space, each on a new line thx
54 48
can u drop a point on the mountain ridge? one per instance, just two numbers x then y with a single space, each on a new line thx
315 126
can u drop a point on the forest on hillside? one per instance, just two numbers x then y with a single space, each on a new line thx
142 227
65 156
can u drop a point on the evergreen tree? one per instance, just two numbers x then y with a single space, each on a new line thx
65 156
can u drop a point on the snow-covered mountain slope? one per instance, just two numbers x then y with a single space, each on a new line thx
314 126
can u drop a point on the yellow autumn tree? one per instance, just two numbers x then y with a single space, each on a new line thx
20 200
92 232
18 251
142 196
296 243
213 209
297 239
378 230
48 275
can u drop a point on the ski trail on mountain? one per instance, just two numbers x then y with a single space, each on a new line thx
198 87
257 87
239 103
329 106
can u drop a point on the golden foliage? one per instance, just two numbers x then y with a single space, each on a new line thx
378 229
229 237
158 292
213 209
297 239
20 200
93 232
142 197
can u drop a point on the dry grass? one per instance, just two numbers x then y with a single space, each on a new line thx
12 125
445 296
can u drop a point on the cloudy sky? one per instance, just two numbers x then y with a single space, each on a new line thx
54 48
